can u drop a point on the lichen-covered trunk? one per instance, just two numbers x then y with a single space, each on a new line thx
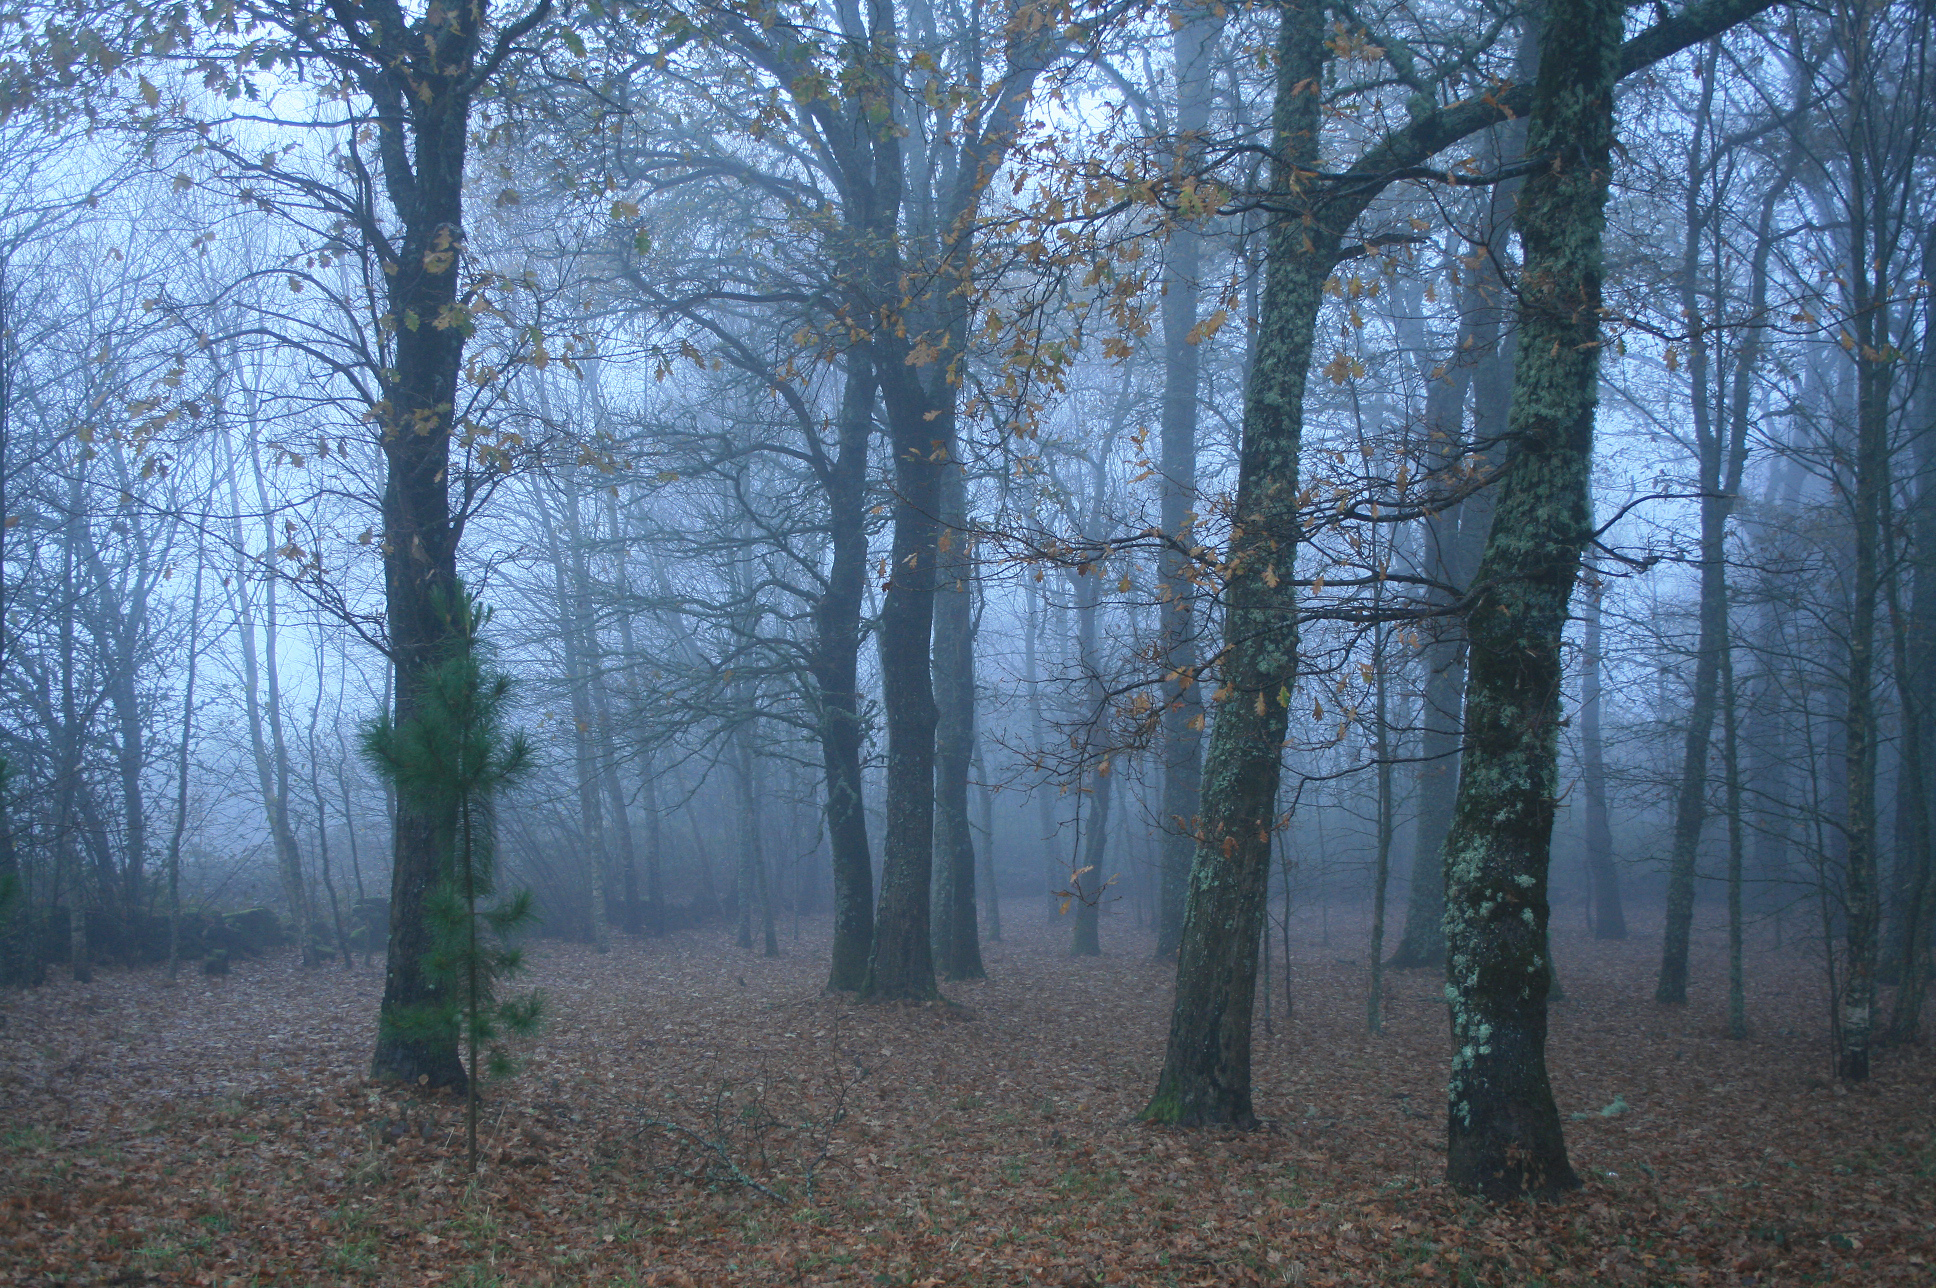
1206 1067
836 670
1503 1129
957 933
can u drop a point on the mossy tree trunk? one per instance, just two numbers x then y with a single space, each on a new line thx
1206 1068
1504 1137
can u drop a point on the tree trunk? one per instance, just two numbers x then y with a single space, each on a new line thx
1503 1129
1609 915
1690 804
1914 633
902 964
991 897
423 80
836 669
1193 45
1731 770
1381 866
1206 1067
265 746
957 935
1088 882
322 815
755 882
1052 864
1855 1019
181 771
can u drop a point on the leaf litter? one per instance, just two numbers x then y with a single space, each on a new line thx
693 1115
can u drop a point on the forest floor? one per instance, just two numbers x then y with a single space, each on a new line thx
695 1115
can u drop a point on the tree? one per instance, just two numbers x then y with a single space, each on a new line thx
957 932
1206 1068
1206 1072
1193 46
404 83
1504 1136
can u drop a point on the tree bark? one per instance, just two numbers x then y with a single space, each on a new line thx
836 669
1206 1066
1503 1130
1609 914
1193 47
1690 804
422 78
957 933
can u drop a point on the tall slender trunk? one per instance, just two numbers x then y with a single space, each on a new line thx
1609 914
1914 636
1731 771
991 897
181 769
1052 865
322 815
1381 864
755 882
957 932
1193 46
264 719
636 916
1089 880
654 854
67 774
1870 322
1206 1066
836 670
1691 800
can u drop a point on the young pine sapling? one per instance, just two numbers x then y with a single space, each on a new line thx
451 756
